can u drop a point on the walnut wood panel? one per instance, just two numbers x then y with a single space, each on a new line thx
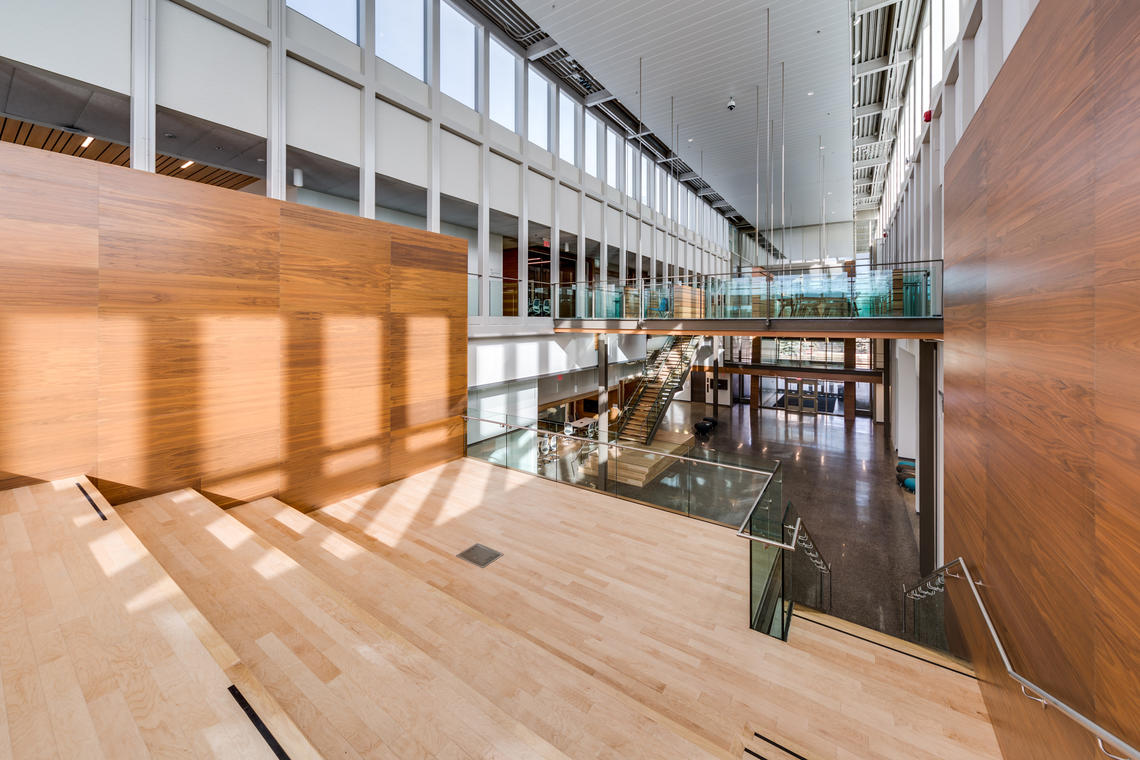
161 334
1042 278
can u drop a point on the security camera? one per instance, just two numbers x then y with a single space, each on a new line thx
732 104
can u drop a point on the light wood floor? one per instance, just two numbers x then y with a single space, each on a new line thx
650 607
101 655
356 688
607 630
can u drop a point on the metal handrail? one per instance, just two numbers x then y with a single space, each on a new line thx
570 436
1102 734
743 532
658 408
666 280
652 367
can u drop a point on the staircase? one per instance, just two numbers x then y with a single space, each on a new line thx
665 374
169 627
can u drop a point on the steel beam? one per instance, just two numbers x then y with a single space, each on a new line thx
874 66
599 97
866 6
541 48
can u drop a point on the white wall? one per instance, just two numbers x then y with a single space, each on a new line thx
807 243
402 144
905 398
322 113
82 39
499 359
210 71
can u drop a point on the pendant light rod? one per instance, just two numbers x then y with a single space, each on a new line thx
768 125
783 124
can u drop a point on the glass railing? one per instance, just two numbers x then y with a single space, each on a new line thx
503 296
907 290
538 302
703 486
786 567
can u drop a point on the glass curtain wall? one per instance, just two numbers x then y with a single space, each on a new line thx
457 58
338 16
567 128
503 77
400 36
538 110
590 144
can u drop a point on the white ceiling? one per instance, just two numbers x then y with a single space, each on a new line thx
701 52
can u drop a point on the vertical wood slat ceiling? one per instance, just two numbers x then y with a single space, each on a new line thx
104 151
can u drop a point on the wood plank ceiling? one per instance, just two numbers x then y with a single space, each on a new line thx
71 144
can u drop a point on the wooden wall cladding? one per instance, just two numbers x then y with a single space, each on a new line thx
158 333
1042 339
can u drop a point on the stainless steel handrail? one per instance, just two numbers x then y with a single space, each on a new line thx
742 531
790 546
1102 734
753 470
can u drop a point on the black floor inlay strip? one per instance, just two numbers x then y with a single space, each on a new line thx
90 501
750 752
779 746
884 646
262 729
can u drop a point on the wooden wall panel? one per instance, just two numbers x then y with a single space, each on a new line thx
188 302
1116 238
426 346
160 334
1041 326
336 417
49 237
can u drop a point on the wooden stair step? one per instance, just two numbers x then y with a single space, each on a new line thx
355 688
104 656
515 674
933 656
768 748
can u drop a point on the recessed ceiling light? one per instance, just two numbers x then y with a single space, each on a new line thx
186 165
822 147
690 139
86 142
810 93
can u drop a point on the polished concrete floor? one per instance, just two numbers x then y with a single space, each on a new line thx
841 477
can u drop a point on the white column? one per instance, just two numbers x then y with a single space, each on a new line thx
368 111
143 14
275 142
436 99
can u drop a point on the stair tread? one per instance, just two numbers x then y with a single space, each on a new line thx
126 635
415 610
768 750
933 656
334 677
